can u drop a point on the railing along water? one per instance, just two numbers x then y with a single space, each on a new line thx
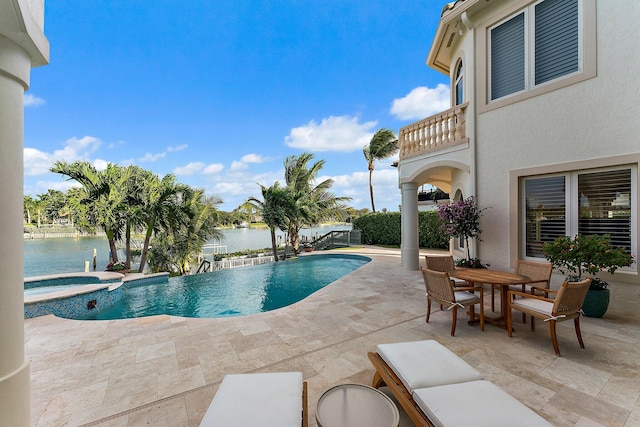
226 264
443 130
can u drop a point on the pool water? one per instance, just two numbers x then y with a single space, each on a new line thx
39 290
234 292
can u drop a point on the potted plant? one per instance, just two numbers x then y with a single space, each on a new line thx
461 219
575 256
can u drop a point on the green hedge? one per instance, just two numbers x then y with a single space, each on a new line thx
385 229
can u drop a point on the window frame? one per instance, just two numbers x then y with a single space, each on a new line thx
587 55
572 204
458 83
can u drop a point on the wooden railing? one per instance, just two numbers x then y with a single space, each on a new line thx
444 130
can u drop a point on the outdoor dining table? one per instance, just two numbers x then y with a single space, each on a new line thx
492 277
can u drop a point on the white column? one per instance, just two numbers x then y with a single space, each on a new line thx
409 250
22 45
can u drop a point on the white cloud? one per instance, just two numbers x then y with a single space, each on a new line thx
342 133
41 187
238 166
177 148
38 162
148 157
33 101
421 102
213 168
253 158
189 169
100 164
356 186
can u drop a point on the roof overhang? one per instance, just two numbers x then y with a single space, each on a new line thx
22 21
450 28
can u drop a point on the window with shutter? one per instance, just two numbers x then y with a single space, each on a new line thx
552 28
580 202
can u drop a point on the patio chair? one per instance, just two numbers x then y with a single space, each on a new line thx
540 274
440 290
566 305
443 263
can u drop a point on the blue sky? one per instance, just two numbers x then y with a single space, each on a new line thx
220 92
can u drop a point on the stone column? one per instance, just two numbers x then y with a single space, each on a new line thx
22 45
409 250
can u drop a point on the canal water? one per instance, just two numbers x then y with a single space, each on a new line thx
68 255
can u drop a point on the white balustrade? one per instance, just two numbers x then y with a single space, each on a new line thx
443 130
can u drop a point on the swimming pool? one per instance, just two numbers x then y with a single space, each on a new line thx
234 292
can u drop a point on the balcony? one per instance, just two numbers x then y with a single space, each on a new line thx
435 133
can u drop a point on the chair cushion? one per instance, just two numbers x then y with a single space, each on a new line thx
428 363
458 282
533 304
476 403
273 399
464 297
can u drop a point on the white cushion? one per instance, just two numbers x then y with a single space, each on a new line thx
466 297
476 403
458 282
542 307
421 364
269 400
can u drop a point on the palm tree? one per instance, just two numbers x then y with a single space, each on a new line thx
383 144
312 202
276 205
179 241
160 208
101 197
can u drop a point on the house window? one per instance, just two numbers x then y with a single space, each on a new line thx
539 44
584 202
458 84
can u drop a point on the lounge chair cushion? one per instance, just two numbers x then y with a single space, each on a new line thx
422 364
475 403
269 399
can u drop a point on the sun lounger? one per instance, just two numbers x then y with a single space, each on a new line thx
437 388
276 399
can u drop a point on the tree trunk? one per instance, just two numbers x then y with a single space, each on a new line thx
127 244
145 247
373 207
274 246
112 247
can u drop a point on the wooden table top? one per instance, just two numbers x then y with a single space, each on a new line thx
494 277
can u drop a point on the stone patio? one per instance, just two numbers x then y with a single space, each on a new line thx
164 371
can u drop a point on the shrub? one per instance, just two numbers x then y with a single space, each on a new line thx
590 254
385 229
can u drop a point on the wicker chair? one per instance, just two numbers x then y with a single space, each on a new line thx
440 290
443 264
540 274
566 305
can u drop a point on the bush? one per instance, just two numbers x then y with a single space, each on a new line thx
589 254
385 229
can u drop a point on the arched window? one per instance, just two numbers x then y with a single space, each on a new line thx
459 84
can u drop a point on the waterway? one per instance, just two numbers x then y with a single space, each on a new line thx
68 255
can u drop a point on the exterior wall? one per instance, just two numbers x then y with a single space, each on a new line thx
590 123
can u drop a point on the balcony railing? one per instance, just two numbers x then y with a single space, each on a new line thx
444 130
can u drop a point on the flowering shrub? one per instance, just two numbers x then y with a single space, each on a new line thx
117 266
586 254
461 219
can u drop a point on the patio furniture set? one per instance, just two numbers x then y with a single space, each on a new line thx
526 290
427 379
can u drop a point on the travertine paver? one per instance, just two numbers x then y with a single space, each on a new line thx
165 370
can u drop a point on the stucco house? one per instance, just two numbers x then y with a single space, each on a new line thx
543 129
